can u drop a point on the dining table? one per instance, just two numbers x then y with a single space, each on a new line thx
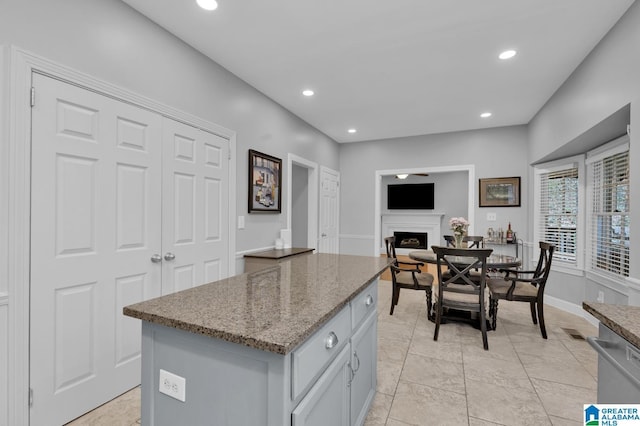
494 261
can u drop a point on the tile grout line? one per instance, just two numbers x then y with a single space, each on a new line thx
404 361
529 378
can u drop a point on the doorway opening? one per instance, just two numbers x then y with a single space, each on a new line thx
471 196
302 201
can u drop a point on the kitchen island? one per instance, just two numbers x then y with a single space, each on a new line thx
618 348
294 344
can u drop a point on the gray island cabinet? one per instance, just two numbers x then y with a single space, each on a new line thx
293 344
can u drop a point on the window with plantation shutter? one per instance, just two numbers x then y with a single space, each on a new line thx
608 209
558 211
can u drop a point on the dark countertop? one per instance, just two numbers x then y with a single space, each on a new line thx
274 309
622 319
279 253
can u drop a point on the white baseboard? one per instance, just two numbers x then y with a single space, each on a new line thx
570 308
356 237
240 254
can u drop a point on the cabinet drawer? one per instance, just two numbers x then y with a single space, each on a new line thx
363 304
310 359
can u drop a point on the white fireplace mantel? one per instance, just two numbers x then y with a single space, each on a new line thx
412 222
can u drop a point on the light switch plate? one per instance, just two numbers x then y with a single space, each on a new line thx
240 222
491 217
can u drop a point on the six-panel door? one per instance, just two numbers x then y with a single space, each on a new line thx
113 187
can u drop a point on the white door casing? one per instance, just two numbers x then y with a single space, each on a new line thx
378 248
195 234
22 67
95 217
329 210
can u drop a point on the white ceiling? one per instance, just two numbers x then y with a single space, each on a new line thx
396 68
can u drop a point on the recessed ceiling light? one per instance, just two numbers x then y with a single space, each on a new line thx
485 115
308 92
507 54
208 4
402 176
352 130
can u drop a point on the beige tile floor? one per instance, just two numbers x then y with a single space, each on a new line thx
522 379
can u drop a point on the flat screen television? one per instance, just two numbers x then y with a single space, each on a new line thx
410 196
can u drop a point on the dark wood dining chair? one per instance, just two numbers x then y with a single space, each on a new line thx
474 241
523 286
459 292
449 240
407 275
471 240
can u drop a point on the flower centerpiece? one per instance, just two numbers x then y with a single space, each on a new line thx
459 227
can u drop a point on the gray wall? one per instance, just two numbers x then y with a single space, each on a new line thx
495 152
606 81
111 41
446 187
4 301
299 206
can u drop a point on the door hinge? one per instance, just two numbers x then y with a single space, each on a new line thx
229 155
629 130
33 96
30 397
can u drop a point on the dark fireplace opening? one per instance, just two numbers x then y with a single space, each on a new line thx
411 240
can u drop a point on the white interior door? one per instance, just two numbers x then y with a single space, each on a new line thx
95 221
195 231
329 210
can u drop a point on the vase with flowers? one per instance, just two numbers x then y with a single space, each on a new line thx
459 226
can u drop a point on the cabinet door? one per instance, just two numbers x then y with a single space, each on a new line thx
327 403
363 362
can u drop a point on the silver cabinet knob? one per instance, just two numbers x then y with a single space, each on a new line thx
169 256
331 341
324 235
156 258
368 301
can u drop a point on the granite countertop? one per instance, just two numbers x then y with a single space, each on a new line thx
622 319
279 253
274 309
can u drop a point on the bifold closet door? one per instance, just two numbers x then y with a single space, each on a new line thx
95 225
195 231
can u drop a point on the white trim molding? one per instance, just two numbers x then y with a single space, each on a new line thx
428 223
634 291
356 237
22 66
633 283
240 254
570 308
469 168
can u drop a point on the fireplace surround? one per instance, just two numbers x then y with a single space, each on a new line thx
427 223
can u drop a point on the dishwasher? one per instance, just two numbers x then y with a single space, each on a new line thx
618 368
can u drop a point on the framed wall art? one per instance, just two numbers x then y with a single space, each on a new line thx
265 180
500 192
